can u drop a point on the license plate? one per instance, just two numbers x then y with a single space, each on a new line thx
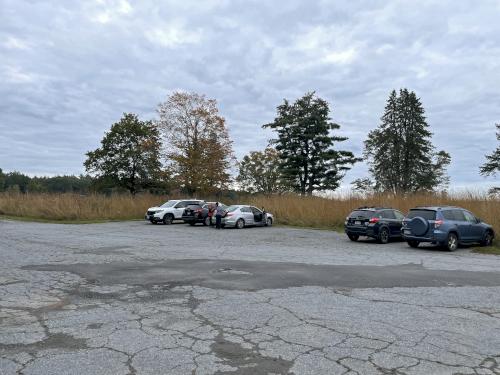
407 231
357 222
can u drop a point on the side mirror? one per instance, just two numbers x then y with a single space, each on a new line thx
478 220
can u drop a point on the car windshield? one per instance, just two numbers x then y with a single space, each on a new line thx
232 208
426 214
362 213
169 204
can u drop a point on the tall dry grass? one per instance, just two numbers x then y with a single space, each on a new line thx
288 209
326 213
75 207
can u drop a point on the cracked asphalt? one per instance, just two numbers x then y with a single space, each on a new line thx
135 298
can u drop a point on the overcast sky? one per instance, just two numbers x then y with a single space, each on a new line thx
69 69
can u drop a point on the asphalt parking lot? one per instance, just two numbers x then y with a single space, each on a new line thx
135 298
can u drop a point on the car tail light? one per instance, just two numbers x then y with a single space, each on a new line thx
438 223
229 214
374 220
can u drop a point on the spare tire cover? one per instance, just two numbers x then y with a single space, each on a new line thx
419 226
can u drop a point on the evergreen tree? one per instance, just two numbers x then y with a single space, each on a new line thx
400 153
129 155
492 165
305 144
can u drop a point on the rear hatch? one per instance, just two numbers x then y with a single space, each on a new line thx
191 210
420 222
360 217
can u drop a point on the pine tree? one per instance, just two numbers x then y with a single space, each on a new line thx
400 153
305 145
492 165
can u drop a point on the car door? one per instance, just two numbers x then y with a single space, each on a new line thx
258 216
464 227
247 215
476 229
179 209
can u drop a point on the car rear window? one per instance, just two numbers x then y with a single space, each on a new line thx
232 208
362 213
426 214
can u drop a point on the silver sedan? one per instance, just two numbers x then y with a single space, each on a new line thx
240 216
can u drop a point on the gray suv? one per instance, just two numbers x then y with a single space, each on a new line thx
445 226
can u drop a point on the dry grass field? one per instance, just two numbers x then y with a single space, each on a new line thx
293 210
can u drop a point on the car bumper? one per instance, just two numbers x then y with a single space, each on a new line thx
437 236
228 223
153 218
361 230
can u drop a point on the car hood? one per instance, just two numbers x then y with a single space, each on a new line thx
156 208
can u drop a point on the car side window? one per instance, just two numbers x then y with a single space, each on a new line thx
388 214
180 205
459 215
469 217
398 215
448 215
255 211
245 209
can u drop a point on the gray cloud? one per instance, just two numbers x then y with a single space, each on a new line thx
70 69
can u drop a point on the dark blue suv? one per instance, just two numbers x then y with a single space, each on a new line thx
377 222
445 226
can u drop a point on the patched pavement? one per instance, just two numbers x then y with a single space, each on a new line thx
133 298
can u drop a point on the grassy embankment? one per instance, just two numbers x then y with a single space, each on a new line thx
312 212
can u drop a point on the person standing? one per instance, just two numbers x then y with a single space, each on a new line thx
219 211
211 210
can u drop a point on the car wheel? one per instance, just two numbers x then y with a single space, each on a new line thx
269 222
240 224
383 236
487 239
353 237
167 219
413 243
452 243
206 222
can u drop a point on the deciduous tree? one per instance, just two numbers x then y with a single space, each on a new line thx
129 154
197 144
259 172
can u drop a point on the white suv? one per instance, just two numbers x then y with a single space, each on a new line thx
169 211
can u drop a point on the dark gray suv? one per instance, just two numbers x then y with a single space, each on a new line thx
445 226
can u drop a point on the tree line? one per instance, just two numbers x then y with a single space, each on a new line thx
188 149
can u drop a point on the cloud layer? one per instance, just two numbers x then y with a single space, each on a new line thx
70 69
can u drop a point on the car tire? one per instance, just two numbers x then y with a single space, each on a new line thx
353 237
487 239
269 222
240 224
452 242
383 235
168 219
413 243
206 221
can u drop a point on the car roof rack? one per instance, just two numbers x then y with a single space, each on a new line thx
374 208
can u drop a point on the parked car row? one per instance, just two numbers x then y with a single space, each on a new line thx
440 225
193 211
